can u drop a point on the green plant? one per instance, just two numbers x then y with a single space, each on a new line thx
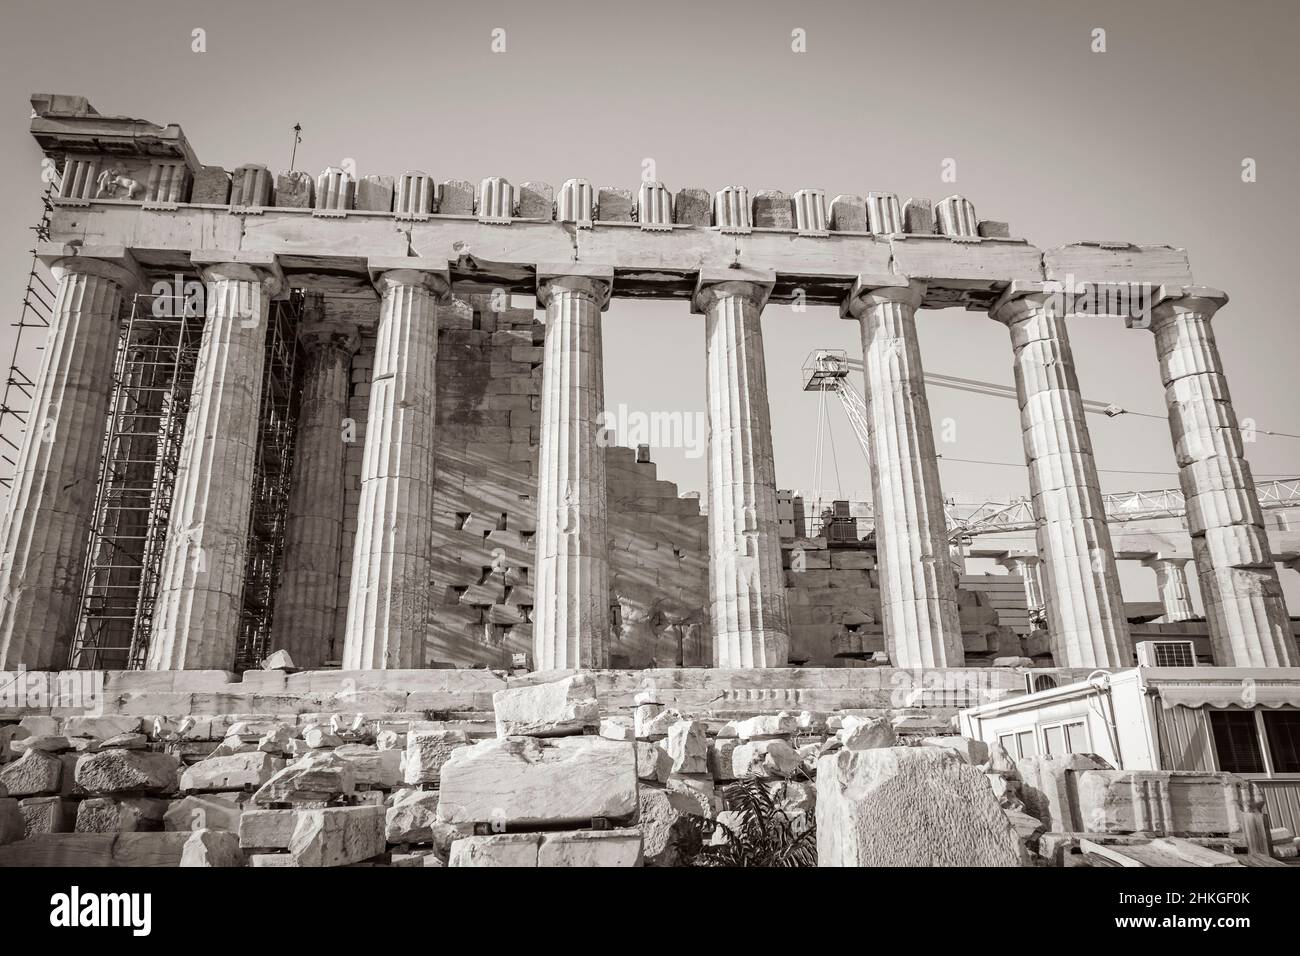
764 835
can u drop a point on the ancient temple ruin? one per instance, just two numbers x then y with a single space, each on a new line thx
307 414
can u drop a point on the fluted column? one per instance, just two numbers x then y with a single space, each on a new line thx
201 587
388 603
1171 584
1028 567
51 504
918 600
307 597
1247 614
571 590
1085 609
746 582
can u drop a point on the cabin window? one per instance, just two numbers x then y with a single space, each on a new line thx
1236 741
1282 730
1070 737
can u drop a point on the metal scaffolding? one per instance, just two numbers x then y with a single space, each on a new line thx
152 378
277 427
25 357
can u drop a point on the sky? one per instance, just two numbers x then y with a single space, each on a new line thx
1143 142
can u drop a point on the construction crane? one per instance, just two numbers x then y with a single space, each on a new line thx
827 370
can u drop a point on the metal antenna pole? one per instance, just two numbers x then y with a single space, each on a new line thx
297 138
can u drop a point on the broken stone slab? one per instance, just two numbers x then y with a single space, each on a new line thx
96 850
47 815
699 789
617 728
662 819
206 812
653 764
687 747
35 773
427 752
372 767
974 752
212 848
234 772
127 741
764 726
337 836
270 859
764 758
909 806
49 743
266 829
867 733
555 709
413 818
320 776
107 815
127 771
590 848
1164 802
495 850
653 721
1048 788
319 738
521 781
577 848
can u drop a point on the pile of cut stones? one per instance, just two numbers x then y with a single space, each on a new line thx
559 784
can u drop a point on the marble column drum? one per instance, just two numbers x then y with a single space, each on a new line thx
918 599
388 603
1085 607
201 586
51 504
306 600
1244 606
1171 585
571 620
746 581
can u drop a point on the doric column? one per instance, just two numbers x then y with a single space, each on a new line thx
201 588
51 504
1247 614
1171 583
307 598
571 590
1085 609
918 600
388 603
1027 566
746 582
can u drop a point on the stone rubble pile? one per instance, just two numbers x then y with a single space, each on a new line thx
560 779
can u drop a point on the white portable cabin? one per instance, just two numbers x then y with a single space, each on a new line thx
1244 720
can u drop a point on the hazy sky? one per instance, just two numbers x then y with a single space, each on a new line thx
1141 143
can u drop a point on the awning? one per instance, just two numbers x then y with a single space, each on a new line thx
1245 693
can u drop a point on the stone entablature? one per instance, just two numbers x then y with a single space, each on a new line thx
730 254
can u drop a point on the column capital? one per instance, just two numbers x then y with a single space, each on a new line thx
714 283
595 280
869 290
1160 560
1171 300
1022 299
409 270
262 267
115 263
1019 559
321 328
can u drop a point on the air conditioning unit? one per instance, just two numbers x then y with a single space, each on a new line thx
1166 654
1037 679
